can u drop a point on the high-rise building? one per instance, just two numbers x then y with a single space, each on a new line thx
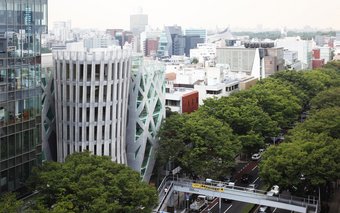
171 42
146 111
92 90
191 43
138 23
150 47
62 31
302 47
202 33
21 26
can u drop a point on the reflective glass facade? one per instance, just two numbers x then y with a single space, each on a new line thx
21 24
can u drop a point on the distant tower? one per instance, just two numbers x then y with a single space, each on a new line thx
138 22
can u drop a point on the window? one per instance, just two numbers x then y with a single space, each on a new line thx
213 92
87 114
106 70
97 72
81 72
88 72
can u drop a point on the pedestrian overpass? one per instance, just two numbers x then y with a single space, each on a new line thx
242 194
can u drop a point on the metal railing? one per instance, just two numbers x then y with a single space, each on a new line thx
229 190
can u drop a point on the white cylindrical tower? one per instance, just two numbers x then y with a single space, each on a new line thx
91 102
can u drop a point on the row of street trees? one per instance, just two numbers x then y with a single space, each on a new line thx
309 160
205 143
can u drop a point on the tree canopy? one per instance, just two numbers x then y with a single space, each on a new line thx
88 183
9 203
327 98
201 144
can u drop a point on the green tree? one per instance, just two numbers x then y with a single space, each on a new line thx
88 183
327 98
315 156
325 121
194 61
9 203
276 99
245 117
202 145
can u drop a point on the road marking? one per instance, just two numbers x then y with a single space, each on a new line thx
228 208
207 207
254 168
256 179
213 206
274 210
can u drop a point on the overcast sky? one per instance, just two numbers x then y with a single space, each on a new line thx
104 14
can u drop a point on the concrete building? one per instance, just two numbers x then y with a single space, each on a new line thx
204 52
317 62
99 41
241 60
325 53
62 31
138 23
273 60
302 47
20 90
151 47
258 59
291 60
91 93
180 99
146 112
150 36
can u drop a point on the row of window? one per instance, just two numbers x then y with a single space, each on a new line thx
82 93
98 113
19 143
84 72
227 89
98 133
20 78
19 111
95 149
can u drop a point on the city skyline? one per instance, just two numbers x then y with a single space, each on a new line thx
241 14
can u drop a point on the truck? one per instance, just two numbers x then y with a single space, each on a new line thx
199 203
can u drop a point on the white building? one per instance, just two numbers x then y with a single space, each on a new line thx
99 41
146 112
325 53
204 52
291 60
62 31
302 47
209 82
91 90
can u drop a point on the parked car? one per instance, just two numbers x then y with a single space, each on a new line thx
275 190
256 156
263 209
246 178
251 187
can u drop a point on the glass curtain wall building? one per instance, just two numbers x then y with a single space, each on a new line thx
21 24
